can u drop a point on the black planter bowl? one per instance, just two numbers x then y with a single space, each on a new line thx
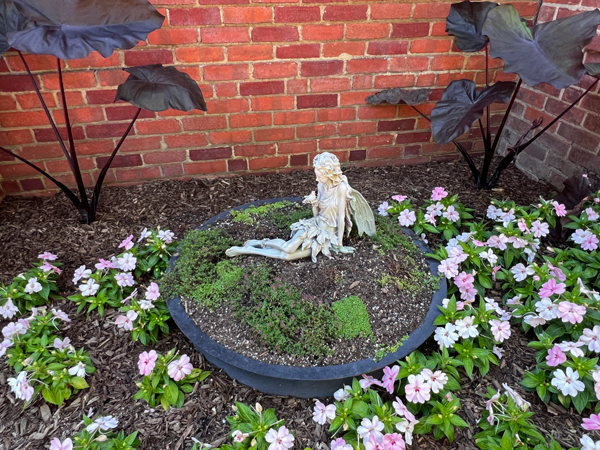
304 382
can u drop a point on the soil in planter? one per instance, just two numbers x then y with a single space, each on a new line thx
300 313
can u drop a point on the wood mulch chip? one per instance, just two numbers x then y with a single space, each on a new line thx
30 226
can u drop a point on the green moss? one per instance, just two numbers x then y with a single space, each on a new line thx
382 352
353 316
390 236
250 214
284 220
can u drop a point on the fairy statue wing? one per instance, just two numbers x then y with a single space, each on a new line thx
362 214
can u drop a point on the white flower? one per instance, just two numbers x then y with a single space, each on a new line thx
12 329
533 320
588 444
490 256
5 345
540 229
146 305
449 268
406 427
281 439
80 273
145 234
506 217
342 394
498 351
451 214
407 218
592 215
521 272
367 427
547 309
78 370
591 338
446 336
166 236
124 279
126 263
519 401
492 212
102 423
60 314
8 310
321 412
89 288
572 347
61 344
33 286
436 380
568 382
465 327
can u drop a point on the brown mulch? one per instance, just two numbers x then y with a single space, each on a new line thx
29 227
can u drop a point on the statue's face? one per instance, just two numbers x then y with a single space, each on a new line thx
321 178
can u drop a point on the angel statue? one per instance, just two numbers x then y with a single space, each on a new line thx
334 207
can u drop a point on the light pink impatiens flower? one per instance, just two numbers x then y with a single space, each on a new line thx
389 376
127 243
559 209
555 356
371 427
500 330
393 441
417 390
67 444
438 193
147 362
179 368
281 439
571 312
592 423
551 287
402 410
321 412
126 322
399 198
152 293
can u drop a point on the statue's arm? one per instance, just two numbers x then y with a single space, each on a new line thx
341 194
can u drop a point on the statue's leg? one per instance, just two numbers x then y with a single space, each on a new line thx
268 252
285 246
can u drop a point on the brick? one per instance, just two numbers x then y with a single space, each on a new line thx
255 150
199 54
226 72
15 137
262 88
410 30
111 78
106 130
226 90
158 126
275 70
384 152
337 143
353 98
205 167
132 175
410 138
329 84
71 80
137 144
79 115
95 59
227 106
392 81
336 114
297 14
204 154
528 9
221 2
250 53
246 15
17 170
42 151
335 49
186 140
362 82
267 163
225 35
194 16
173 36
430 46
370 65
438 29
143 57
345 13
377 112
129 160
28 101
316 131
10 187
371 141
96 147
15 83
585 159
396 125
322 32
23 119
229 137
431 10
101 97
35 62
305 146
127 113
390 11
477 62
274 134
32 184
293 117
249 120
356 128
592 123
298 160
367 30
317 101
275 34
321 68
297 86
298 51
387 48
444 79
165 157
579 136
447 62
272 103
236 165
409 64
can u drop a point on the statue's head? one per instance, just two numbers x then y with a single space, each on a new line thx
329 165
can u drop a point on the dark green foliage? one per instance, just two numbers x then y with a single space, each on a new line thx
285 220
354 317
389 236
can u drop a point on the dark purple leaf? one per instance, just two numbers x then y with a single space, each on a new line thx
465 22
10 20
546 53
156 88
593 69
462 105
397 95
71 29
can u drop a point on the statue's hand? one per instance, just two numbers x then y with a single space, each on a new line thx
347 249
310 199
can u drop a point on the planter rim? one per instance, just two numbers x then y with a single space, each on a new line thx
215 351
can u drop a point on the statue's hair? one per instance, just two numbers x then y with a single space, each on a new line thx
329 164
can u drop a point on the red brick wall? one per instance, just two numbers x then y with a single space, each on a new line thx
572 145
283 81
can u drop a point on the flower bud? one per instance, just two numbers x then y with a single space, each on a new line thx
101 438
258 408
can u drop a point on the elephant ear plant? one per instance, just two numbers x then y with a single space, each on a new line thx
542 53
71 29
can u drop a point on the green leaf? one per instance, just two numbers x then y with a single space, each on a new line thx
79 383
171 392
580 401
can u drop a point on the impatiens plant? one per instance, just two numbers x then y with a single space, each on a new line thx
166 378
50 27
550 53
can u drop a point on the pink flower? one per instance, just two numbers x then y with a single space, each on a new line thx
104 264
592 215
367 381
147 362
449 268
389 376
438 193
464 279
321 412
571 312
47 256
494 271
124 279
430 218
281 439
555 356
47 267
417 390
126 321
399 198
127 243
67 444
556 272
61 345
402 410
60 314
559 209
593 423
500 330
590 242
393 441
551 287
152 293
407 218
178 369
